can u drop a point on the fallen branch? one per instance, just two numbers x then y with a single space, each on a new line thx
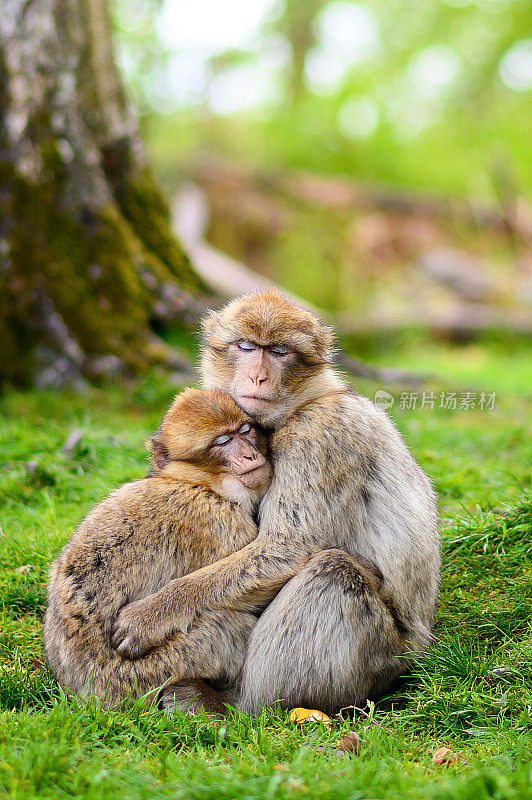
343 193
463 322
460 272
387 375
480 302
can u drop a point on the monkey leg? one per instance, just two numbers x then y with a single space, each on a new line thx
326 641
213 650
193 696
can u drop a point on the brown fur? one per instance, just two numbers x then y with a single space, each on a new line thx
346 492
143 536
187 428
348 531
268 317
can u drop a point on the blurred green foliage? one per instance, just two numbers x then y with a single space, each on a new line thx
419 93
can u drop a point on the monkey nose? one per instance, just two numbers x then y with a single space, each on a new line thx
256 380
251 455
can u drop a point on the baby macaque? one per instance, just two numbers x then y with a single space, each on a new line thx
209 472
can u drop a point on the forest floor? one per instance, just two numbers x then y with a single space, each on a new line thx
472 693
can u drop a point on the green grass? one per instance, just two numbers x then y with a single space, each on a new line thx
480 464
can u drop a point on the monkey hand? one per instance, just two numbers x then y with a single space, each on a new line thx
138 628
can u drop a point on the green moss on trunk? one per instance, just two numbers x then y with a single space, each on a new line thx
87 255
96 271
143 205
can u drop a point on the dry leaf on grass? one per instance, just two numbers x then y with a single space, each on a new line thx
349 743
499 672
301 715
24 569
444 755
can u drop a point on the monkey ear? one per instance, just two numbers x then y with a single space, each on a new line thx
327 342
159 453
209 323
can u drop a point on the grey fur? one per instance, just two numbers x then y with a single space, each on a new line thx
343 479
346 493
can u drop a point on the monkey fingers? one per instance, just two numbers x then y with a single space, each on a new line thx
130 646
137 629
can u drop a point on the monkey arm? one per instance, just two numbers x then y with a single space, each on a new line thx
294 515
242 581
245 580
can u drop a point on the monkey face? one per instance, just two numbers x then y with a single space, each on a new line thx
241 453
264 349
259 381
206 430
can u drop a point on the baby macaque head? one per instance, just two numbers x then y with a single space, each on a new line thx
206 437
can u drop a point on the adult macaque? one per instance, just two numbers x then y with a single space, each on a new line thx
209 473
349 514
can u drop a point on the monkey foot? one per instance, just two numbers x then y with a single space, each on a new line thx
192 697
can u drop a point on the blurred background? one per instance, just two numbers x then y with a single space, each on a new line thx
373 158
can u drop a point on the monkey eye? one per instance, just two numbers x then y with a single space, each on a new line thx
223 439
279 350
245 345
246 427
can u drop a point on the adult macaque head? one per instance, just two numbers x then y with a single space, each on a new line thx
205 435
269 354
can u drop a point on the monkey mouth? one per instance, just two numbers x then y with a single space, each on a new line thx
253 469
255 397
254 477
253 403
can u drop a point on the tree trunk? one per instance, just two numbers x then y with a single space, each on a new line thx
87 256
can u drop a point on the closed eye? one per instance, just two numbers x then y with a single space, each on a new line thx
245 345
246 427
221 440
279 350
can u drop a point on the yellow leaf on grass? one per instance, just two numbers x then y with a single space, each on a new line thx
300 715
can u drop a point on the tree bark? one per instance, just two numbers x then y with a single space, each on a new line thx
87 256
